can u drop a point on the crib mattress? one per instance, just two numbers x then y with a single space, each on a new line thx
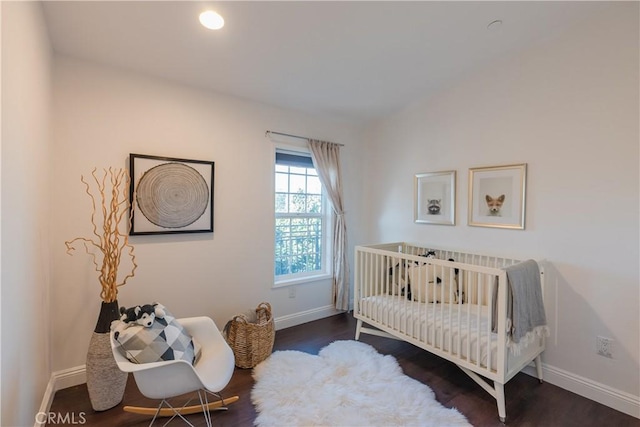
460 329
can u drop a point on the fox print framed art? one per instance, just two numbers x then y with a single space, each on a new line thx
497 196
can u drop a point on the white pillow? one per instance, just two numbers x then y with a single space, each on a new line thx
428 282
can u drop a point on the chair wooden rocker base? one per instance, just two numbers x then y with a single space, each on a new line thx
170 411
219 405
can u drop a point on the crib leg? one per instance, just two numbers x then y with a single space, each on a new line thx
358 327
502 409
538 363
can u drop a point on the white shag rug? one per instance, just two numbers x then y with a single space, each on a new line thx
348 384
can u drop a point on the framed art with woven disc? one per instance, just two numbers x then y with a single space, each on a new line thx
170 195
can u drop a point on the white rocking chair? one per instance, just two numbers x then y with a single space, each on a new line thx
166 379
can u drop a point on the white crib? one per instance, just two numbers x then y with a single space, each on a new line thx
456 309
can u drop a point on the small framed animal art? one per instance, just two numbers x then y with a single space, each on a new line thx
434 198
497 196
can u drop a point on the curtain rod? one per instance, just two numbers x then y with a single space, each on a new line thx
269 132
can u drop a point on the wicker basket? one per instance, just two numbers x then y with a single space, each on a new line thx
251 342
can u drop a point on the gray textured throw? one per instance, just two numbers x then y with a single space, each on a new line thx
526 318
525 307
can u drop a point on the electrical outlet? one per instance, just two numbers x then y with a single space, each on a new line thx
292 292
604 347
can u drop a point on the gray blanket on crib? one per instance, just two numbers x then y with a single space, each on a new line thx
525 308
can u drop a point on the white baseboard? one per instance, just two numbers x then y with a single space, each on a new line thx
59 380
47 400
70 377
608 396
301 317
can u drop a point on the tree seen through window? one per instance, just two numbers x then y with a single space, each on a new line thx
299 218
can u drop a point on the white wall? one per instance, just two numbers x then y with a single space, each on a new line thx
569 109
26 95
100 116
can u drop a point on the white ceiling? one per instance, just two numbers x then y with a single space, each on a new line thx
357 60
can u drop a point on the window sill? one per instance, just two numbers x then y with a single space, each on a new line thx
301 280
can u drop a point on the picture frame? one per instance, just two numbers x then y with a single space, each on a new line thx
497 196
170 195
434 198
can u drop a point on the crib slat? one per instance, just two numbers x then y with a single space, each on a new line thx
488 325
478 312
468 346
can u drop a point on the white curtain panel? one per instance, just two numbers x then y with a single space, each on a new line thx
326 159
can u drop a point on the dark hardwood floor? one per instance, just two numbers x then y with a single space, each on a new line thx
528 402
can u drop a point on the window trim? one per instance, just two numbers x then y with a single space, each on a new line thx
327 244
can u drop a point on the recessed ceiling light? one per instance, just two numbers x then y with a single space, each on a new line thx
211 20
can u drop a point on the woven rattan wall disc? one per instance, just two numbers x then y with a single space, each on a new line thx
172 195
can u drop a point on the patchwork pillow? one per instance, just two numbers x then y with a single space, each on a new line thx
428 281
166 339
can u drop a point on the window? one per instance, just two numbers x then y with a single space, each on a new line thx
300 220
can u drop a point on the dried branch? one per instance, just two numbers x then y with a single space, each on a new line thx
109 243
